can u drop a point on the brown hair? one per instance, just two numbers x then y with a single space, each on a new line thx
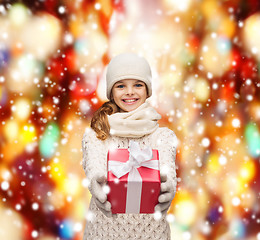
99 122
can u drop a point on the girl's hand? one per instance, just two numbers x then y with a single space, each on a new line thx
99 195
166 196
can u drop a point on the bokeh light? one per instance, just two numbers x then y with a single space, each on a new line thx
251 34
205 59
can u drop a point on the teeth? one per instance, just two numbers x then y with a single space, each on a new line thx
130 100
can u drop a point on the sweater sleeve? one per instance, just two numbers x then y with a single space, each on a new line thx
166 143
94 155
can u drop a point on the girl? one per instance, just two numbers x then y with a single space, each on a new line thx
127 116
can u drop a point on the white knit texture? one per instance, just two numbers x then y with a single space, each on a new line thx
127 226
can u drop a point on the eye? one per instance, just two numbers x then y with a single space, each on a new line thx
120 86
139 85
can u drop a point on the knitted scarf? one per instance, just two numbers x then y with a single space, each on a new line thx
136 123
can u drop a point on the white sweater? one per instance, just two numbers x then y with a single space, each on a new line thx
127 226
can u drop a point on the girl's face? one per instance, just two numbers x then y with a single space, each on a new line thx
129 94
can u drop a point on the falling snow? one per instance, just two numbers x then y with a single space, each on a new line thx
157 215
5 185
35 234
205 64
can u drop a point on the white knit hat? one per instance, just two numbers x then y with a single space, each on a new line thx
128 66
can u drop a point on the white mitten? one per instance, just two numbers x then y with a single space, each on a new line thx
100 197
166 195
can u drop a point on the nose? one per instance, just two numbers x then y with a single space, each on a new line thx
130 90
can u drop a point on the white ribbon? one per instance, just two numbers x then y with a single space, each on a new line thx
137 158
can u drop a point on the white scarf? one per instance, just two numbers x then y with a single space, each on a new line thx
136 123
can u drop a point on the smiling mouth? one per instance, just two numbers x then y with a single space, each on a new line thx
130 100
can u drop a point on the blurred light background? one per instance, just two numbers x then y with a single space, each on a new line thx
205 58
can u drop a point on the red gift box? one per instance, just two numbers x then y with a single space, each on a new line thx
137 194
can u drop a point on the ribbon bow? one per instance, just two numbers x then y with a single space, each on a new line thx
137 158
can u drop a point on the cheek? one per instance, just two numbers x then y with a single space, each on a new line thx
114 93
143 93
116 96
